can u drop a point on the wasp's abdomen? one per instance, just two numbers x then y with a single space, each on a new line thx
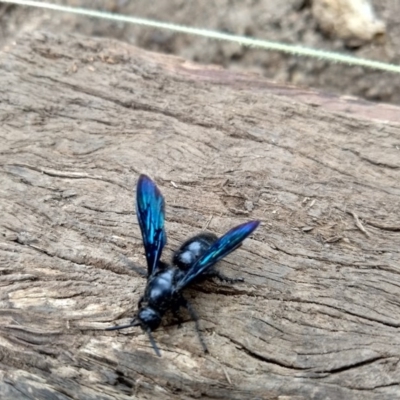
192 249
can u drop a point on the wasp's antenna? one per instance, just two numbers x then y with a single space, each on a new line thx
153 342
134 322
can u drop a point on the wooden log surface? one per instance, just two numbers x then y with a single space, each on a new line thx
318 315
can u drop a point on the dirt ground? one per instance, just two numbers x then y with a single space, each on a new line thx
289 21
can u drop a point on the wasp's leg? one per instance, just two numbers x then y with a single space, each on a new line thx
132 265
213 273
140 301
176 314
184 303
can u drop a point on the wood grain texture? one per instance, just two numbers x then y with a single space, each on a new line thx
318 315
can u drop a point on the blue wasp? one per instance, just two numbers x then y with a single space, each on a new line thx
193 261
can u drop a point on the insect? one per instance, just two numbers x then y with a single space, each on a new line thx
193 261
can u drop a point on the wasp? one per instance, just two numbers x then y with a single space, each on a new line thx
193 261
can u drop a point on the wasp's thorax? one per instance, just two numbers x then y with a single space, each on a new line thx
159 296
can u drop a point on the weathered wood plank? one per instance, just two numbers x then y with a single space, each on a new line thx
319 313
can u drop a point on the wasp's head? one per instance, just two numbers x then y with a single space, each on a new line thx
149 318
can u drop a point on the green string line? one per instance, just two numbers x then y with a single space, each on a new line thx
245 41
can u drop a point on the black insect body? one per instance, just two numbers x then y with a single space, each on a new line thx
192 249
193 261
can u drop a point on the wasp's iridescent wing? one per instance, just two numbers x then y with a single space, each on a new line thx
220 249
150 214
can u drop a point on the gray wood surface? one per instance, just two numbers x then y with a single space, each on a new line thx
318 315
